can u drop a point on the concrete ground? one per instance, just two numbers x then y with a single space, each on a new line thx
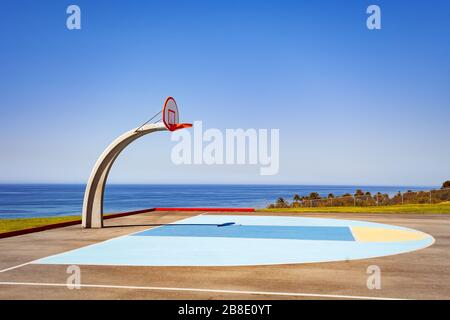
423 274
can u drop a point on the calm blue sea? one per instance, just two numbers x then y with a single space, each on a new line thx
43 200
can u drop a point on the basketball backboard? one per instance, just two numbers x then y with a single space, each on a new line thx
170 116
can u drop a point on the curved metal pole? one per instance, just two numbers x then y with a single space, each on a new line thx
93 197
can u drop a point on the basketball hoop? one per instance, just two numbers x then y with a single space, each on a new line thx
170 116
92 216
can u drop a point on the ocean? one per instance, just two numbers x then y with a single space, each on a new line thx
45 200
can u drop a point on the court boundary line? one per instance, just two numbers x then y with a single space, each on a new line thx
273 293
18 266
36 261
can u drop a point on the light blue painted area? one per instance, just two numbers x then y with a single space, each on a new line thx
283 221
256 232
161 250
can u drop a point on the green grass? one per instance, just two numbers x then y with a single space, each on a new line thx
7 225
438 208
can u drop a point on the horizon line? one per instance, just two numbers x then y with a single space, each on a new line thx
231 184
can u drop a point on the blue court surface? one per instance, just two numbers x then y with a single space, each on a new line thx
228 240
255 232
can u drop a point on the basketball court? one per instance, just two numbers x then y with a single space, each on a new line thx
213 255
207 254
233 240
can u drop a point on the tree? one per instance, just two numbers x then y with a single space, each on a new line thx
314 195
368 194
446 184
281 203
347 195
297 197
359 192
330 196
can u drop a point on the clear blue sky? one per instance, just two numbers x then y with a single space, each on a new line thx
353 106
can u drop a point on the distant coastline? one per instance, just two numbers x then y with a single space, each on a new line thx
363 198
47 200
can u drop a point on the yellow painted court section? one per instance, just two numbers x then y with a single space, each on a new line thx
367 234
